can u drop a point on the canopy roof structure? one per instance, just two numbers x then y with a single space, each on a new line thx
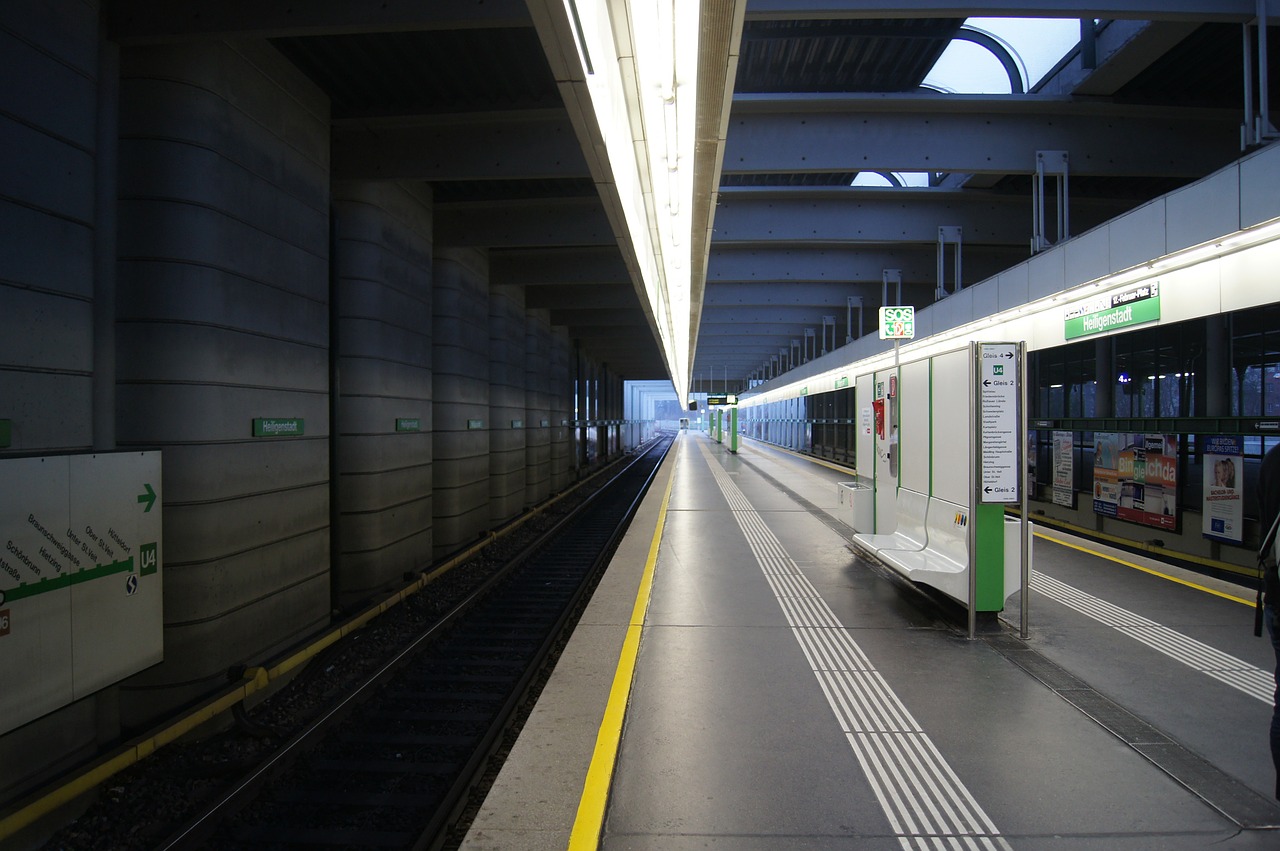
820 167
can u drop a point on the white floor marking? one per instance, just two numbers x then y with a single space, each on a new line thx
926 804
1197 655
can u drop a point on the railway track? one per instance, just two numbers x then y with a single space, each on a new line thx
391 764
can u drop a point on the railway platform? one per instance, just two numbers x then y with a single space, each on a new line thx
745 678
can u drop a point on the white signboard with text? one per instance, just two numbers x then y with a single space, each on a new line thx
81 603
998 421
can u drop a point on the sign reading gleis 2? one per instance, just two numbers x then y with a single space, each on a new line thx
1129 306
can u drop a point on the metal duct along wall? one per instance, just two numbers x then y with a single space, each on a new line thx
223 319
382 430
47 288
562 464
460 409
507 406
537 485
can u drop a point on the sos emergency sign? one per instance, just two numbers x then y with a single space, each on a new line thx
897 323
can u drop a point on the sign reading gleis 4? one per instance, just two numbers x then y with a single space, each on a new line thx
897 323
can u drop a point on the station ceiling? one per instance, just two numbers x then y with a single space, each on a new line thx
460 94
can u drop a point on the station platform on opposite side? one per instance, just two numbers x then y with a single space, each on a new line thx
744 678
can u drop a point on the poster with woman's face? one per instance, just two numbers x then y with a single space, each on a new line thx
1223 478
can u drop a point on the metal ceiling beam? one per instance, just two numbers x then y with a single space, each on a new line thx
1153 10
152 21
883 216
839 265
523 224
526 144
972 134
1124 50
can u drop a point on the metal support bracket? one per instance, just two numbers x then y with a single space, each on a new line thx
1049 163
948 235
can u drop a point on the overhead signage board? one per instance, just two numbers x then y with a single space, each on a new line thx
1111 311
998 416
81 594
897 323
726 399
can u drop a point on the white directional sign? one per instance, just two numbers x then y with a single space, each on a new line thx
1000 457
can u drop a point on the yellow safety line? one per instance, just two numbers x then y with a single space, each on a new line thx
595 793
1149 570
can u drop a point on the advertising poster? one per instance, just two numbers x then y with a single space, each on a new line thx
1223 513
1063 479
1135 478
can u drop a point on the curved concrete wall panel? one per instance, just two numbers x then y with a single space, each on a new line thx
382 251
537 360
222 318
460 393
562 382
47 275
508 416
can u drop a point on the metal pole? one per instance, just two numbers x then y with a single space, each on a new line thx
1246 132
975 439
1264 108
1025 530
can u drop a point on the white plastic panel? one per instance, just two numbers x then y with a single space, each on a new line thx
1204 210
1088 256
1137 236
81 602
914 445
1260 187
1249 278
952 426
1046 273
1014 285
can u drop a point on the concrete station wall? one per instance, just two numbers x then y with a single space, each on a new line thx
383 341
460 411
537 365
178 264
47 288
223 317
508 413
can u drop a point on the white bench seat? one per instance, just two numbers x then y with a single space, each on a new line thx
944 562
910 533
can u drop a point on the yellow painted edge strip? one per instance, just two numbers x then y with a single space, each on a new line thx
1084 549
595 792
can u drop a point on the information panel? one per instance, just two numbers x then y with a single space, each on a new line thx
81 600
998 414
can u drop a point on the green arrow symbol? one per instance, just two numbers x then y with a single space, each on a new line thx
149 498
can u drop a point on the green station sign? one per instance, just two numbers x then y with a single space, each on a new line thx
264 427
408 424
1107 312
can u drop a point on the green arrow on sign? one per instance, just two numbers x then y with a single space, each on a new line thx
149 498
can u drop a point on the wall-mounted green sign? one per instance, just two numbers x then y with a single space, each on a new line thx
842 382
1119 309
546 423
517 423
804 391
6 433
263 427
475 424
408 424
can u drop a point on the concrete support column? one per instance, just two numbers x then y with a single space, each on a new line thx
460 394
223 300
561 375
507 403
57 311
538 423
1104 394
1214 378
382 420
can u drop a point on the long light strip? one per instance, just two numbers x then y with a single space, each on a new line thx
989 327
646 108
